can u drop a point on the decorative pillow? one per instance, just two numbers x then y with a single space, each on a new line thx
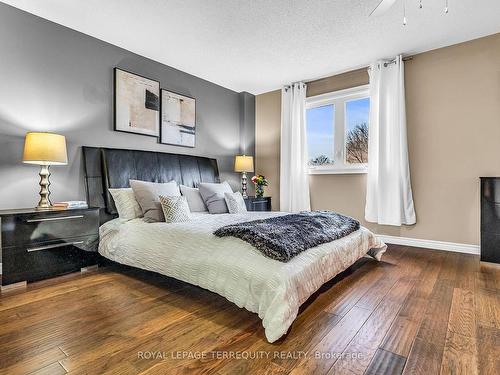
194 199
235 203
213 196
127 206
175 209
148 193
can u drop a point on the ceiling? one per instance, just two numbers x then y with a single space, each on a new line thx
258 45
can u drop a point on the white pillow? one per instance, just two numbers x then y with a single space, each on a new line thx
213 196
127 206
147 194
175 209
194 199
235 203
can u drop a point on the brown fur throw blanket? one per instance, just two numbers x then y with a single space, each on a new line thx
283 237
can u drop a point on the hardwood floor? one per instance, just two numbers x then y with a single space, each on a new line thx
417 312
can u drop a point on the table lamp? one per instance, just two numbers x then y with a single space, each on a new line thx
243 164
45 149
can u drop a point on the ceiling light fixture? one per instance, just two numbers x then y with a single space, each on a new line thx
404 13
384 5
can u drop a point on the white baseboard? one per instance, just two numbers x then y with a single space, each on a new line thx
431 244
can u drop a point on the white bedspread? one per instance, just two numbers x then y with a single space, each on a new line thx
231 267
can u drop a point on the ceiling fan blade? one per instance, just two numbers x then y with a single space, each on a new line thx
382 7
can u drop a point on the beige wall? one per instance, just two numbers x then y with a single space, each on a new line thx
339 82
267 142
453 111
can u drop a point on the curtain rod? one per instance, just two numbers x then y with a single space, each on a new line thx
393 61
406 58
301 85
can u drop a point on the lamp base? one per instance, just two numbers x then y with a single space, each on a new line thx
44 203
244 184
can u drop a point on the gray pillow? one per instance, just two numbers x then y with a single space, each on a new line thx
148 195
213 196
194 199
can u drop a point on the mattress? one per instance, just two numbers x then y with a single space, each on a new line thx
231 267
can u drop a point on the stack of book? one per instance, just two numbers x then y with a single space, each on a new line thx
70 205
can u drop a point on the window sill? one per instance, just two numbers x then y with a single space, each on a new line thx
359 170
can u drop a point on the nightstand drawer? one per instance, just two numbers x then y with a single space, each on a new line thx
258 204
31 262
48 226
87 243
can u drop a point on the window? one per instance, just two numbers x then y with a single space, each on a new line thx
320 134
337 131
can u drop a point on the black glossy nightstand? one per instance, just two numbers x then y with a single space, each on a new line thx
258 204
40 244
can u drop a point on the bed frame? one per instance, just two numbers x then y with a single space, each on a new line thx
106 168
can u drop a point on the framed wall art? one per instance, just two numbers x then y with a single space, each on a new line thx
178 119
136 104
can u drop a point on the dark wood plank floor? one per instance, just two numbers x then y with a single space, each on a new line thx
417 312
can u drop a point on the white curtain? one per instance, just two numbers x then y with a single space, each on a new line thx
389 198
294 179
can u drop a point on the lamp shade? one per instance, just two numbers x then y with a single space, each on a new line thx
243 163
45 149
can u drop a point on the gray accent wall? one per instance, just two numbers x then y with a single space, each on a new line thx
247 131
247 123
56 79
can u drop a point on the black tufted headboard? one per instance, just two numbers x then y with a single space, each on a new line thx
106 168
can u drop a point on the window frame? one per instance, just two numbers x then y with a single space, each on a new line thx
339 100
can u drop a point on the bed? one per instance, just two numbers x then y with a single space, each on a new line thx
190 252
